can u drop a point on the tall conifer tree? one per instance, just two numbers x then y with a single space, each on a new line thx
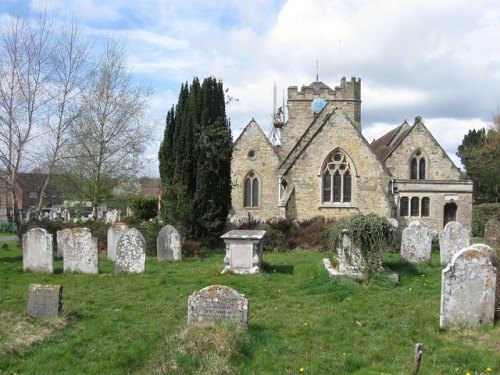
195 158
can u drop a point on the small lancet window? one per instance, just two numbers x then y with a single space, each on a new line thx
251 191
417 167
336 179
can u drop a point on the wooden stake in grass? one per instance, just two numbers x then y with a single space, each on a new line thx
419 348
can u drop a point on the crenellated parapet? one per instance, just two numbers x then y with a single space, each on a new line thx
348 90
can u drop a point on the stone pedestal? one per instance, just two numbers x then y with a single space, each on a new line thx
244 249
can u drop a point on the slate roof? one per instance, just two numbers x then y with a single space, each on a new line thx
383 146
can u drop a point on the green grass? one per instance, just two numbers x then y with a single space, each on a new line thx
299 318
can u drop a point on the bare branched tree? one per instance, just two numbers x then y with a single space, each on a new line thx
110 131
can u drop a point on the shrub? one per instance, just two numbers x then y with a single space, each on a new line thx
150 230
309 234
275 241
481 214
371 234
145 208
191 248
7 228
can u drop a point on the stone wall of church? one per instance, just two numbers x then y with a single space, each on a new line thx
253 152
438 165
369 182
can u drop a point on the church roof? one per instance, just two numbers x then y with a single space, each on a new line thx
383 146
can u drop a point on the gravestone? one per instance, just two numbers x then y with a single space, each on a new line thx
131 252
468 289
66 215
492 233
218 303
416 243
44 301
37 251
244 249
81 254
393 222
168 244
114 233
63 238
452 239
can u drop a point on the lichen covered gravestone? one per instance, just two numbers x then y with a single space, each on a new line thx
114 233
244 249
168 244
37 251
452 239
44 301
131 252
468 289
492 233
416 243
63 241
218 303
81 253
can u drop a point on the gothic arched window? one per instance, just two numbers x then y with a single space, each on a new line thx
336 177
417 166
251 191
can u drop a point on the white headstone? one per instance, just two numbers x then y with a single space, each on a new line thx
168 244
131 252
114 233
416 243
81 253
468 289
452 239
37 251
63 239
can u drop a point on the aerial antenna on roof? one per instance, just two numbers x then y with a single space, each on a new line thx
278 120
317 71
340 61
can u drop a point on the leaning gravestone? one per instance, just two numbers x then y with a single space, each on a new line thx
218 303
492 233
131 252
416 243
81 253
468 289
44 301
168 244
114 233
63 238
452 239
37 251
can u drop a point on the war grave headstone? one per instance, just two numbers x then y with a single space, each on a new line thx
131 252
81 254
37 251
416 243
244 249
468 286
44 301
492 233
63 237
218 303
452 239
168 244
114 233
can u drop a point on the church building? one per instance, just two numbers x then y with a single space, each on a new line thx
318 163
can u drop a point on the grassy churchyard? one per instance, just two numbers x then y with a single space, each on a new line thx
300 322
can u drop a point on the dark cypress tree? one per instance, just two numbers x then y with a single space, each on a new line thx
195 158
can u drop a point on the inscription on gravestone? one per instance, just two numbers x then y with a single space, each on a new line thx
218 303
44 301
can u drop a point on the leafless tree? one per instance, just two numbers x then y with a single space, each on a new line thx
111 130
24 80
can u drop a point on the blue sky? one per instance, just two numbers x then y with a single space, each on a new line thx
436 59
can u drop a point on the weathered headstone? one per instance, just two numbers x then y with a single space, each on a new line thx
492 233
218 303
63 238
416 243
37 251
66 215
44 301
468 289
168 244
131 252
114 233
81 253
452 239
393 222
244 249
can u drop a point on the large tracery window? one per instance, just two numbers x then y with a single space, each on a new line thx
417 166
251 191
337 181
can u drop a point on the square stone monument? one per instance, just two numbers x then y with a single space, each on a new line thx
244 249
44 301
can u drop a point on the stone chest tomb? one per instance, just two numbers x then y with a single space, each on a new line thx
244 249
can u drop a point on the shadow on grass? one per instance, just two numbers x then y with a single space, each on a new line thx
287 269
403 268
11 259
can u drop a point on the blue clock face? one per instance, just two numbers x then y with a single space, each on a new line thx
318 104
